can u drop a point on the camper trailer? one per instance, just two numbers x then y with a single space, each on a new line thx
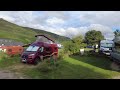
106 46
115 53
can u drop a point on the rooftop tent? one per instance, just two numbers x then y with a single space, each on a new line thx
43 38
117 40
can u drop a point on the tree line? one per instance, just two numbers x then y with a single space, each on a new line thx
91 38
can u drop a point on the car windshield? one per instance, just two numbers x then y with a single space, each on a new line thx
32 48
107 45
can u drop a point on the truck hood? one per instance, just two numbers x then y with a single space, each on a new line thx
28 53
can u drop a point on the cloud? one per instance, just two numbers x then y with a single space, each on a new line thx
54 20
66 23
106 31
107 18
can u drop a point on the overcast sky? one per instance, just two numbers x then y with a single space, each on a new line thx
67 23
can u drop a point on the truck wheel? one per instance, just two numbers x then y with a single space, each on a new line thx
36 61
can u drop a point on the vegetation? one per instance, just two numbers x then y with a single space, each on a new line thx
73 67
69 64
53 36
26 35
6 61
73 46
93 37
117 33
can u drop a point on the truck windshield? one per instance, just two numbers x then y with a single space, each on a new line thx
32 48
106 44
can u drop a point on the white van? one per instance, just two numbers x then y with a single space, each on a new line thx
106 46
115 54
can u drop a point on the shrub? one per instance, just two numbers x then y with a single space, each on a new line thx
3 56
44 66
72 47
61 55
47 65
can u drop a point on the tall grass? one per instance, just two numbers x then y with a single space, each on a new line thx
6 60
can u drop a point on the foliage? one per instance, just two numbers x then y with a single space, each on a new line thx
93 37
73 46
47 65
117 33
6 60
61 55
75 67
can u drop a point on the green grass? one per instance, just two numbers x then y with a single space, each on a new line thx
88 49
73 67
6 61
25 35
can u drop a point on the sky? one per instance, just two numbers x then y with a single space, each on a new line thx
67 23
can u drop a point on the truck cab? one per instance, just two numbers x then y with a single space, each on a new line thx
42 48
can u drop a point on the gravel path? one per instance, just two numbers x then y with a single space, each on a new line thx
5 74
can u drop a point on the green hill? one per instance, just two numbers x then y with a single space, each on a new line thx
15 32
53 36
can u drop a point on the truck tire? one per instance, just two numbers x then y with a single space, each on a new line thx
36 61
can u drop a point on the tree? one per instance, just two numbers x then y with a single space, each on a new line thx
74 45
93 37
117 33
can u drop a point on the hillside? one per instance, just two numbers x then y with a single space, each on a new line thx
53 36
15 32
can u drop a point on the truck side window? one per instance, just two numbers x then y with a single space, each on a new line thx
41 49
48 50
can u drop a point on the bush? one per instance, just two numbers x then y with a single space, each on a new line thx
47 65
3 56
61 55
44 66
72 47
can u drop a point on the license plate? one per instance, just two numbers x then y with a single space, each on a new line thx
23 60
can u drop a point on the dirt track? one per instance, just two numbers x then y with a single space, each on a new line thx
5 74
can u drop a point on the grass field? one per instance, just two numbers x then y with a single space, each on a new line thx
25 35
74 67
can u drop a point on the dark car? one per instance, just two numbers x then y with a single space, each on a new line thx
43 47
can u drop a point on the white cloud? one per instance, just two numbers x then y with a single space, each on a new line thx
57 21
54 20
106 31
107 18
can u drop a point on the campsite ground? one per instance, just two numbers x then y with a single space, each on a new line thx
73 67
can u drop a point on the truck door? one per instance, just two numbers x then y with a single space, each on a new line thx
48 51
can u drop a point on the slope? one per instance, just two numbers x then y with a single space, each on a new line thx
15 32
